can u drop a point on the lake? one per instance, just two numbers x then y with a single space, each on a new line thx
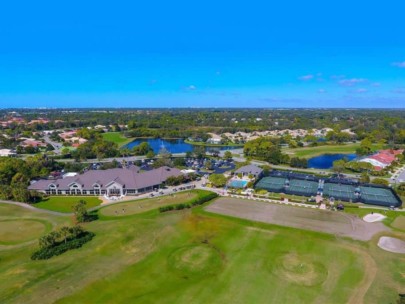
325 161
172 145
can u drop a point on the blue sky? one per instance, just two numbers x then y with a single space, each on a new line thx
202 54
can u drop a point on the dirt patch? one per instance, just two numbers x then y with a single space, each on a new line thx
337 223
391 244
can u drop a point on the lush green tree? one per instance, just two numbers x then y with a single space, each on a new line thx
179 162
142 149
228 155
80 212
380 181
49 240
297 162
49 147
358 166
64 233
125 152
293 144
164 159
365 147
175 180
65 151
76 231
199 152
217 180
265 148
339 165
208 165
6 192
364 177
150 154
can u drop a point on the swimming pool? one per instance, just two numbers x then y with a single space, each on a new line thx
236 183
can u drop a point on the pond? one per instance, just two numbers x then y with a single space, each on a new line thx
172 145
325 161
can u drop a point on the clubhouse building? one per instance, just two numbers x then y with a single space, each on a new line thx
111 182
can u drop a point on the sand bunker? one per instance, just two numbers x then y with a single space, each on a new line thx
391 244
375 217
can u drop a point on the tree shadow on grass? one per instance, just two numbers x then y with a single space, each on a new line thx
92 216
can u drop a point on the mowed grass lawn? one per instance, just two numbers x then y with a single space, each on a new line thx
308 152
399 222
191 256
139 206
66 203
116 137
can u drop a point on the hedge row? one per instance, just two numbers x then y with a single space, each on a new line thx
47 253
201 199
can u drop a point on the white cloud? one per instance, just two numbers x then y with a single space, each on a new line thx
191 87
337 77
361 90
376 84
321 91
351 82
306 77
399 90
399 64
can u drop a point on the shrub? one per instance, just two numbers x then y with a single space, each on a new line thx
202 198
48 252
380 181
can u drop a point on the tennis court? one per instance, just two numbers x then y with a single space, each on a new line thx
344 190
271 184
378 196
302 187
339 191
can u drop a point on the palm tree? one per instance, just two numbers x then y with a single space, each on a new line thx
76 230
49 240
65 232
43 242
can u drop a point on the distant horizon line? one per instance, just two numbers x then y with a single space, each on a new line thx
200 108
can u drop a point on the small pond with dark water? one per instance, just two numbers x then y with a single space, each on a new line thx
172 145
325 161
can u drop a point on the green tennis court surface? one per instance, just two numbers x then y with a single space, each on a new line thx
378 195
339 191
272 184
344 192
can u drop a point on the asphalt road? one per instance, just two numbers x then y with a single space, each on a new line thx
57 146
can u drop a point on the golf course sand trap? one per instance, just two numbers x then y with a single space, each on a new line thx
391 244
337 223
373 217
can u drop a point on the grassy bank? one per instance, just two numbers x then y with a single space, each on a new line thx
308 152
193 256
195 143
143 205
117 137
66 203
